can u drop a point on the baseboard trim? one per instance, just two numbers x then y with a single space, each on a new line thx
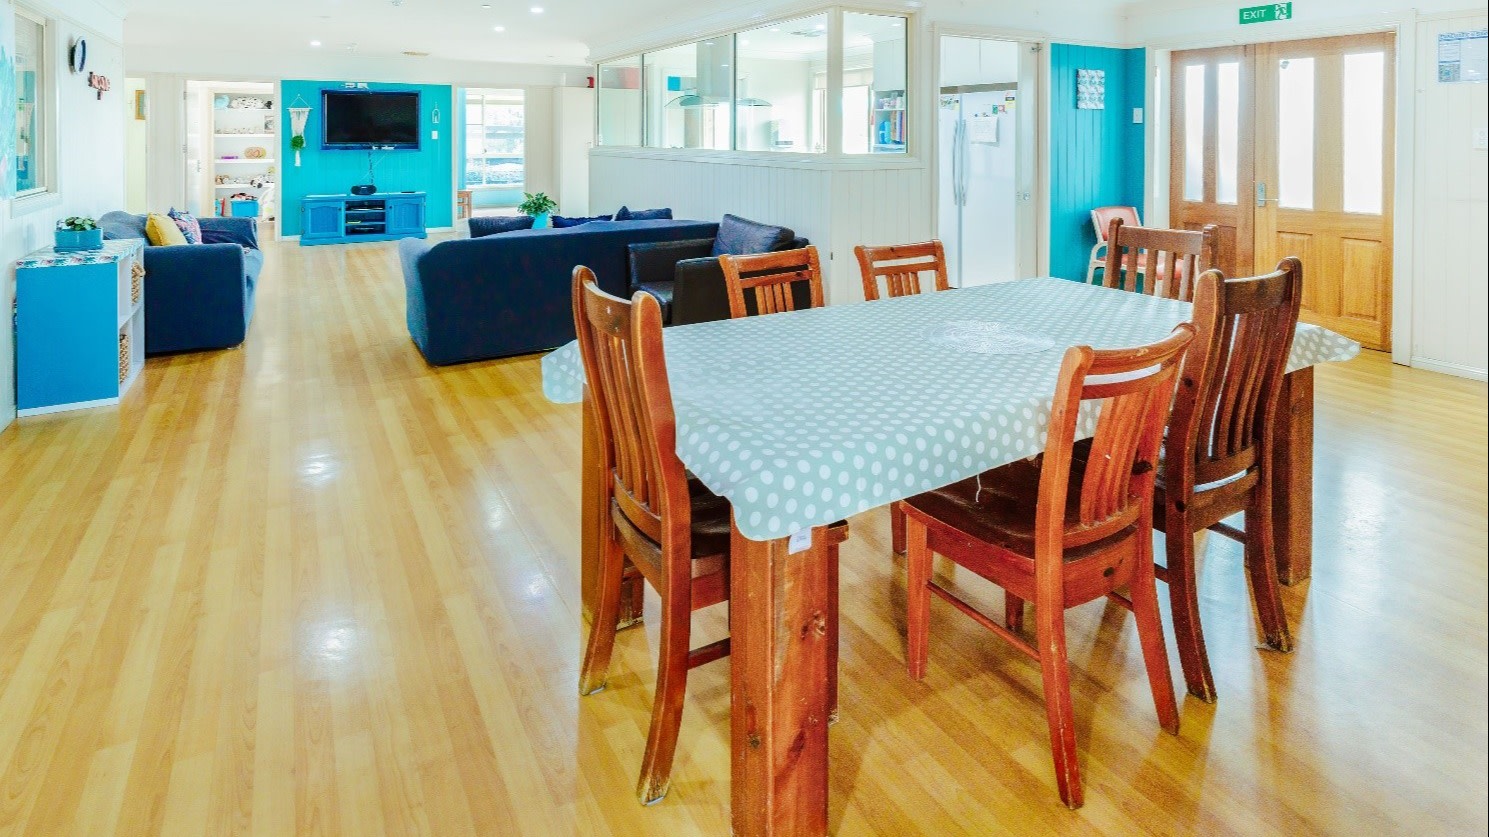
289 238
1454 369
62 408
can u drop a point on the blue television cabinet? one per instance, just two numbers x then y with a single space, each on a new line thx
347 219
80 326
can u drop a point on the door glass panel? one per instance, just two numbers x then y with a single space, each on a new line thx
1295 133
1194 132
1364 129
1228 104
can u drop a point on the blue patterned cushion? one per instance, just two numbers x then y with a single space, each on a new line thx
493 224
627 214
187 224
741 237
560 221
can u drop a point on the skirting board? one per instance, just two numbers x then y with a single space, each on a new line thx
1456 369
62 408
427 229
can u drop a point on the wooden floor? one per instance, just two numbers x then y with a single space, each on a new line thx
313 586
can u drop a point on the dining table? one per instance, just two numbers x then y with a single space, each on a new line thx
804 418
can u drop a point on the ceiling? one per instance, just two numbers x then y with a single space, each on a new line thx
460 30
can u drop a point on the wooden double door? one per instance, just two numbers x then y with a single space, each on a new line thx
1288 148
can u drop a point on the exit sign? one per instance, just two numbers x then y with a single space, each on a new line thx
1267 13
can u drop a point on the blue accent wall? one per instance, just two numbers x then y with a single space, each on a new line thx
1096 156
430 169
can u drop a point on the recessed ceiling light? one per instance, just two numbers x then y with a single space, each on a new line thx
315 43
537 10
744 42
498 29
819 27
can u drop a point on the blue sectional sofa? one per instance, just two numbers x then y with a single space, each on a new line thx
197 296
509 294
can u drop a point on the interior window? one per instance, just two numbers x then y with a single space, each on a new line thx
32 120
775 84
619 102
689 94
874 84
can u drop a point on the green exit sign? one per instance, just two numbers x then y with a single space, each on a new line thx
1267 13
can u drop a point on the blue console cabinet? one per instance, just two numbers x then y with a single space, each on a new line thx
80 326
347 219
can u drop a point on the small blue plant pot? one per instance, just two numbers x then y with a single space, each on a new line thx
542 221
73 240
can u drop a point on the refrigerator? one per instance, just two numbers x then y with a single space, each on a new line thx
978 194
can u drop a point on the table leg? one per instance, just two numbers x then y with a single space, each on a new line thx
1292 481
778 627
593 498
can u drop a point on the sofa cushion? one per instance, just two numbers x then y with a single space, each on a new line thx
121 225
628 214
162 231
560 221
741 237
491 225
191 228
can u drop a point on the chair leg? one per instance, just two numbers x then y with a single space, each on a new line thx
917 595
1049 624
666 710
897 528
1144 594
1013 612
596 666
1183 594
1261 564
833 633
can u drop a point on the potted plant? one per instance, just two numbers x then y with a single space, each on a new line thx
78 233
539 206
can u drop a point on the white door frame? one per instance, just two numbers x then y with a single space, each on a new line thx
1041 197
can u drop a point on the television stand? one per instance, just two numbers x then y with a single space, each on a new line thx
349 219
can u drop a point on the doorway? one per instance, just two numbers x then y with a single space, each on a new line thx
231 144
987 163
136 151
494 151
1288 148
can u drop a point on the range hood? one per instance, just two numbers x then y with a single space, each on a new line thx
711 84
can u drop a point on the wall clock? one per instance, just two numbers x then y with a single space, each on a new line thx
77 56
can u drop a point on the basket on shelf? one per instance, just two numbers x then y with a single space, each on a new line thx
124 355
136 282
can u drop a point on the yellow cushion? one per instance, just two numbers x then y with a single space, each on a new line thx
160 229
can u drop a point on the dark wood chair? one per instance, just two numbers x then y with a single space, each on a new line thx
1062 532
669 527
1218 455
768 280
901 267
1164 262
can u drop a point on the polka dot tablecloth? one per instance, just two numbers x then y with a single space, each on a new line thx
804 418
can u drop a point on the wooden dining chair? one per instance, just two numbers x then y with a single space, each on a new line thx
1062 532
1101 220
769 281
901 266
1218 454
1156 257
672 529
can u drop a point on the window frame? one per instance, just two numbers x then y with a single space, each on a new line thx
486 95
48 194
833 153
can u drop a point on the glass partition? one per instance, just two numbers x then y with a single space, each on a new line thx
619 102
775 81
875 114
689 95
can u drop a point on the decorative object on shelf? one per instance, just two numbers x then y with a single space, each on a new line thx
1090 89
269 124
254 152
539 206
220 101
77 55
299 114
247 103
99 83
140 103
78 232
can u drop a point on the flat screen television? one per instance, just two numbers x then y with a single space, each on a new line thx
364 119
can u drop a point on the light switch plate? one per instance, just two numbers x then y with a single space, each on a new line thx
1137 116
434 134
1481 139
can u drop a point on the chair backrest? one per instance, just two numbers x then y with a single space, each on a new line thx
1136 388
1101 219
621 345
768 279
901 267
1232 380
1166 262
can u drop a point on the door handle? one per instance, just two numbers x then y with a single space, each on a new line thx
1261 195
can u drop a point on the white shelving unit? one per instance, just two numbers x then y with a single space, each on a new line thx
232 132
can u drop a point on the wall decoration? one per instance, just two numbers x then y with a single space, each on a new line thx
99 83
139 105
77 55
298 117
1090 89
8 115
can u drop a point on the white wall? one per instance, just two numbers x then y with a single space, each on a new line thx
136 163
90 153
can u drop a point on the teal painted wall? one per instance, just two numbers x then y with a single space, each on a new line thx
430 169
1096 156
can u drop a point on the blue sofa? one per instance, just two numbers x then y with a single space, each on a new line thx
197 296
509 294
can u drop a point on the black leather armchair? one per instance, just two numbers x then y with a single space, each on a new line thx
685 276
